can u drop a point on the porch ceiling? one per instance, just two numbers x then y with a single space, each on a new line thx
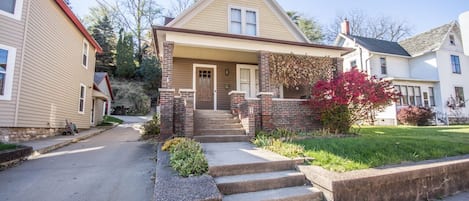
202 53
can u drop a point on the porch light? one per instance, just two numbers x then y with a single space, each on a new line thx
227 71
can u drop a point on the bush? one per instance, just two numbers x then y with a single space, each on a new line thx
171 143
412 115
188 159
152 127
337 119
275 141
283 134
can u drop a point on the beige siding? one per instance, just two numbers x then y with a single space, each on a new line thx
11 34
214 18
99 106
52 70
183 69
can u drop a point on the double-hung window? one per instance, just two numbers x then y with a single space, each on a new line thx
11 8
243 21
81 100
455 64
353 64
431 94
384 69
7 65
248 79
85 54
459 91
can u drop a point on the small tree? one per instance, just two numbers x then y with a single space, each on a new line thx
417 116
349 98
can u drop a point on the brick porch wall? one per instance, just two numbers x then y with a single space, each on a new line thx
293 114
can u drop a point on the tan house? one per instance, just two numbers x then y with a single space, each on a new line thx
47 66
215 56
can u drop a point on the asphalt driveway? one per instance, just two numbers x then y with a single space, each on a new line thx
112 166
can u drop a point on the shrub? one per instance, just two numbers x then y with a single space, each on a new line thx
336 119
188 159
275 141
152 127
171 143
283 134
412 115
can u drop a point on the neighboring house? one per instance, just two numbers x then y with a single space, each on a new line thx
429 69
102 98
47 66
218 50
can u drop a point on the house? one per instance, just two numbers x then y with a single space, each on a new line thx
216 56
102 98
429 69
47 66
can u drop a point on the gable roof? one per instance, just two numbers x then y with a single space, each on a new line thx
427 41
199 5
78 24
380 46
98 78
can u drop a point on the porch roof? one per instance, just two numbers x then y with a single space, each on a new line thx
196 38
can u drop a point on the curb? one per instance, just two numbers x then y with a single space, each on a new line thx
68 142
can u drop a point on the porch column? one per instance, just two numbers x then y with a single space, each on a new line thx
264 72
236 98
266 110
188 97
166 113
167 67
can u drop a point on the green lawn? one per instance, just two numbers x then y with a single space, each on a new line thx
6 146
378 146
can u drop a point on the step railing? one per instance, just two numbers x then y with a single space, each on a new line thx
441 117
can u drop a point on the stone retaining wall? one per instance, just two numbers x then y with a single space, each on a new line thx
27 134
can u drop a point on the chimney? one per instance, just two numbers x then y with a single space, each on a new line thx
345 27
464 26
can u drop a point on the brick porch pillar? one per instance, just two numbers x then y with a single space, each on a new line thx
264 72
167 67
266 110
188 97
236 97
166 113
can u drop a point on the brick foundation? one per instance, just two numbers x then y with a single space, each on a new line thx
167 113
27 134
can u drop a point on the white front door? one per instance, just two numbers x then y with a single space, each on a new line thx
247 79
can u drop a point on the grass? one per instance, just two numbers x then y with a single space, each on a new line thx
111 119
6 146
378 146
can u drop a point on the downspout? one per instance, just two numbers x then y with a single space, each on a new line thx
361 57
20 77
366 64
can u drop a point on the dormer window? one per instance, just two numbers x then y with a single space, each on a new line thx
243 21
451 40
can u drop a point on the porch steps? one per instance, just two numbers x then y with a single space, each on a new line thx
272 180
218 126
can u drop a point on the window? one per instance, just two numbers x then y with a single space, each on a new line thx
432 96
353 64
7 65
384 69
410 95
425 99
398 89
451 40
85 54
455 64
243 21
11 8
410 92
404 97
418 96
248 80
81 106
459 91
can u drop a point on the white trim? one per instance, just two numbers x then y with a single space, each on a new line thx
243 19
236 92
214 67
104 107
84 99
17 13
252 78
93 112
87 53
11 60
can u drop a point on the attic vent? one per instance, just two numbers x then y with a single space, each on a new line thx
451 40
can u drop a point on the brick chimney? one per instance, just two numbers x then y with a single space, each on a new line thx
345 27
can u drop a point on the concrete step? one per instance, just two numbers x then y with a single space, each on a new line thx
221 138
299 193
251 168
228 131
219 126
260 181
216 121
212 112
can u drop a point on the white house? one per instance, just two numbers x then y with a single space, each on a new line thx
429 69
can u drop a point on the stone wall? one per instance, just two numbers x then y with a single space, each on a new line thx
26 134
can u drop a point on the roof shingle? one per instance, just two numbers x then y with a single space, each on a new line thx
380 46
427 41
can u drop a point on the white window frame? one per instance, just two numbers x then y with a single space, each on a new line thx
243 19
87 53
11 59
17 13
252 78
84 98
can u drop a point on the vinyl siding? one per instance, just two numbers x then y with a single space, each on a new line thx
52 70
183 69
11 34
214 18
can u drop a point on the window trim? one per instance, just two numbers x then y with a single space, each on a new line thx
11 60
80 98
431 96
252 80
243 20
17 13
87 53
453 65
356 64
463 105
385 72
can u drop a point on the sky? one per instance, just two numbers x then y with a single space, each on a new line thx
421 15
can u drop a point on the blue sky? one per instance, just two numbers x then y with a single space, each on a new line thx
422 15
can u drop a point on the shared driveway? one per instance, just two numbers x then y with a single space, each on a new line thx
113 166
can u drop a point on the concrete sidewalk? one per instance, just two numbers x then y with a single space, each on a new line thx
46 145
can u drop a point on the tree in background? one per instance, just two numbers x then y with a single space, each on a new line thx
125 56
309 26
383 28
103 33
178 6
150 71
349 98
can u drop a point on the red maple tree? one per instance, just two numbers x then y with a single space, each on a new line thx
349 98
